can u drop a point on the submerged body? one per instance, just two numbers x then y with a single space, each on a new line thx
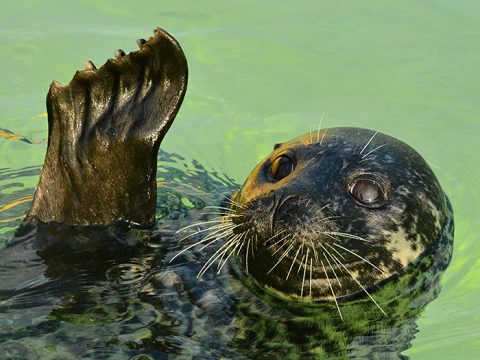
324 225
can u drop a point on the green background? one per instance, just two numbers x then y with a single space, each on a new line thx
262 72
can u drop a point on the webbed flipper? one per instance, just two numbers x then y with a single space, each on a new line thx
104 132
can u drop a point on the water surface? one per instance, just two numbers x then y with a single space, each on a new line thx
265 72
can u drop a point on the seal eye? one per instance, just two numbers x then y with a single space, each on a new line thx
282 166
367 192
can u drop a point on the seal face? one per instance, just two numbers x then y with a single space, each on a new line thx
336 212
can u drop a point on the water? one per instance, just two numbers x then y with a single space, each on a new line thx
260 74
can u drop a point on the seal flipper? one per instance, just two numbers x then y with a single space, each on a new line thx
104 132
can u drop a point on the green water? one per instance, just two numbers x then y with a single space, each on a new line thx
265 72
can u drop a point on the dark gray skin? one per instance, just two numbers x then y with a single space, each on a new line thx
305 234
105 128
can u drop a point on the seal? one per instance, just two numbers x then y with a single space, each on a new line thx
335 213
335 216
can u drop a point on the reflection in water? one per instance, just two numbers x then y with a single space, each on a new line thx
111 291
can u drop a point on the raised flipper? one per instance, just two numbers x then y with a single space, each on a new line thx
104 132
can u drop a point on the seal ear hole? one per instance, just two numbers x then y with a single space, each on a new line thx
367 193
281 167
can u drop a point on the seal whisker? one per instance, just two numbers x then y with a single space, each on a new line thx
228 229
224 248
371 151
219 252
228 257
223 214
286 238
301 262
347 235
331 288
233 202
293 262
363 288
238 243
233 238
323 207
315 253
214 227
310 282
242 240
304 272
246 255
285 253
279 241
224 234
331 267
360 257
219 232
368 142
330 246
274 236
220 207
199 223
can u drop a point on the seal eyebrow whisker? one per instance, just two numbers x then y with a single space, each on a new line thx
368 142
355 149
331 288
293 261
371 151
360 257
286 252
350 236
321 141
319 127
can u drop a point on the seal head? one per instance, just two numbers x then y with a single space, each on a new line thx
334 213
